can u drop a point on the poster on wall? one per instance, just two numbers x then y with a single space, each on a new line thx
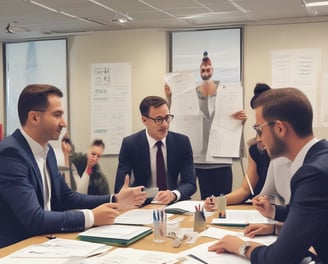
301 68
111 104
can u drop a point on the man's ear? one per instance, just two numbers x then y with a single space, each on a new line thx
281 126
33 116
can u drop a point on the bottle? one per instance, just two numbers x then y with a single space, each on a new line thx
221 206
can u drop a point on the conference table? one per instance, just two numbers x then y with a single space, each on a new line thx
146 243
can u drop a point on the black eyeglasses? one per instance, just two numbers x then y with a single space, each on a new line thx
159 119
258 128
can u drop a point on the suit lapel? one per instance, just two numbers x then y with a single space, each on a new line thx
29 157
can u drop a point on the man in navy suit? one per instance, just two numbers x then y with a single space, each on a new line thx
284 123
34 198
137 156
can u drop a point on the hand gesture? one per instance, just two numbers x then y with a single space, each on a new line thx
130 197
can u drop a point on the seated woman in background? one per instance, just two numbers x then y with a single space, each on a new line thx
85 175
258 163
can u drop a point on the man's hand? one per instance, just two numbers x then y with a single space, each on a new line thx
105 214
130 197
164 197
228 243
264 206
253 230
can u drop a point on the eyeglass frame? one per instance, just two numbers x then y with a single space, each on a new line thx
258 128
159 120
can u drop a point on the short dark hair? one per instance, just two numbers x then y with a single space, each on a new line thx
149 101
34 97
258 89
290 105
98 142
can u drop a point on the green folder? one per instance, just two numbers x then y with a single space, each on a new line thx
115 235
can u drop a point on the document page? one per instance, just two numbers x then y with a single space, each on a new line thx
242 218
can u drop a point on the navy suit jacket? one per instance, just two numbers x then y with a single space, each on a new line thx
21 195
306 217
134 157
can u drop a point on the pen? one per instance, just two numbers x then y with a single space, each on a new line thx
249 184
197 258
154 216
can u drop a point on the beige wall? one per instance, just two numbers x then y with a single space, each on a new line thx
148 53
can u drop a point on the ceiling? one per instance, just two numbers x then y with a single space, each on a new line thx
31 19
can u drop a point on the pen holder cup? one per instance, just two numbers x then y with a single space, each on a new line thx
221 203
199 221
160 230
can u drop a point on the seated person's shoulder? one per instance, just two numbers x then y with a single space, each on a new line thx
77 157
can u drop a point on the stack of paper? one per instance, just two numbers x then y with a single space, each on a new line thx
115 235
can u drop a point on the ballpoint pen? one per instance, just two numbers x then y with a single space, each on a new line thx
249 184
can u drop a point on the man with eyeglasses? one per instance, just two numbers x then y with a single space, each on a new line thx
284 122
138 152
84 172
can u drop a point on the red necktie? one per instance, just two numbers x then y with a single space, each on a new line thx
89 170
160 167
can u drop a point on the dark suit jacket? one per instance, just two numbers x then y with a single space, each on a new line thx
134 157
21 195
306 217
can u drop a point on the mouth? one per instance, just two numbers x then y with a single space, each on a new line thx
163 130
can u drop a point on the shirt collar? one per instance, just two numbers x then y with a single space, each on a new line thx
36 148
299 159
152 141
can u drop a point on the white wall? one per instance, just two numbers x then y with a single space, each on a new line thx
148 53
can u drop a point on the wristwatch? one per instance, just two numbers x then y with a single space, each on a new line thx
243 248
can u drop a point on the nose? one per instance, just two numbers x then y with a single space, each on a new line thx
63 122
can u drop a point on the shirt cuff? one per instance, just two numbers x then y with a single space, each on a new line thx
178 194
112 198
88 218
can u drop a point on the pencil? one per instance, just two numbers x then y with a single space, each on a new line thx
249 184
